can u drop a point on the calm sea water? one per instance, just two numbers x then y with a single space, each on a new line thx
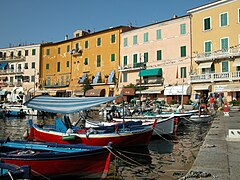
164 158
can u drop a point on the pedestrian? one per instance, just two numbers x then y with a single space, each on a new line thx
211 101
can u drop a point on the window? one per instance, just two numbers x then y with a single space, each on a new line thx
26 52
33 52
159 55
99 41
86 61
113 38
183 72
207 47
77 35
67 64
86 44
19 66
238 15
33 65
183 51
207 24
33 78
125 60
135 40
12 66
225 66
62 80
19 53
125 78
47 66
159 34
135 60
98 60
26 66
145 37
112 57
182 29
67 78
224 44
146 57
59 50
48 52
58 66
68 48
76 46
11 80
223 19
48 81
125 42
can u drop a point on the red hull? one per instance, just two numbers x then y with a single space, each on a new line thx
137 138
90 167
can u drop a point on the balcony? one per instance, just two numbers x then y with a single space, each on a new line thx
11 71
12 58
220 54
56 85
215 77
132 67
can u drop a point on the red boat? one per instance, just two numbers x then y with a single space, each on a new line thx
65 133
51 160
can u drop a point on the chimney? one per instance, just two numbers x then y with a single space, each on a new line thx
66 37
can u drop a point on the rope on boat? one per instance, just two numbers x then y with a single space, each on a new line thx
10 175
40 174
162 136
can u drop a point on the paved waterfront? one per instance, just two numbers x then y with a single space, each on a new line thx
219 156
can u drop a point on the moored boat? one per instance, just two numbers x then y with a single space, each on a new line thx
53 160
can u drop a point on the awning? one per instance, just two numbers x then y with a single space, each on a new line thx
232 88
111 76
3 78
178 90
82 79
51 93
236 62
95 93
3 92
79 92
3 65
96 78
205 65
202 87
152 90
151 72
128 91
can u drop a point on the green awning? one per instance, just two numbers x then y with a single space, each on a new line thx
151 72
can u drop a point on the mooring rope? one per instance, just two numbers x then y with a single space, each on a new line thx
40 174
162 136
10 175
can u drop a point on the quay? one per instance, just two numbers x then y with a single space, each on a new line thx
219 155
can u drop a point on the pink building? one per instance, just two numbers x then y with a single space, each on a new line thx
158 56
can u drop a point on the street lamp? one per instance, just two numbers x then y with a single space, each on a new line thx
34 86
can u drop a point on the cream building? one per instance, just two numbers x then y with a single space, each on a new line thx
159 56
216 50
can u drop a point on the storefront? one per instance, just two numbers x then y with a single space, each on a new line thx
201 92
233 92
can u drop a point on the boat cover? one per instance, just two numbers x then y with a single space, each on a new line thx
65 105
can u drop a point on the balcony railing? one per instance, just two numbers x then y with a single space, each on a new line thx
225 53
12 58
132 67
56 85
213 77
11 71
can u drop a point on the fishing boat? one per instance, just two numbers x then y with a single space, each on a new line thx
65 132
51 160
203 118
17 110
12 171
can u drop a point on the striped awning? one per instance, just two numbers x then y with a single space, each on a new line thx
205 65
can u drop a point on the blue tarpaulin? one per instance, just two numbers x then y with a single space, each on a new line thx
3 65
65 105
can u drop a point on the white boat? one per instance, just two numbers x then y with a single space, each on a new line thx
163 126
203 118
19 108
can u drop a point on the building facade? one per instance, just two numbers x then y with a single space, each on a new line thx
216 51
158 57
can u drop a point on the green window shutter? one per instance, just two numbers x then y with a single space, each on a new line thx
125 60
208 46
86 44
135 60
159 55
26 52
98 60
224 19
33 52
113 38
159 34
224 44
183 51
26 66
48 81
33 65
62 80
112 57
146 57
182 29
47 66
58 67
76 46
48 52
67 64
183 72
207 24
225 67
68 48
135 40
125 79
145 39
86 61
99 41
59 50
125 42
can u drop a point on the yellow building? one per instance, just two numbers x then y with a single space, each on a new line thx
215 49
66 65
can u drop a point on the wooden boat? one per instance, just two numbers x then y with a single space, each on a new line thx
162 127
203 118
53 160
64 132
12 171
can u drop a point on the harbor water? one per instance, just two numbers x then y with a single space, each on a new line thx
168 157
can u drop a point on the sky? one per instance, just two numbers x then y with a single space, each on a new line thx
37 21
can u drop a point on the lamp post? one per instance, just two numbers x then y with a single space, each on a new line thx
34 86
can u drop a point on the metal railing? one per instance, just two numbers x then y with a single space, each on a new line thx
11 71
12 58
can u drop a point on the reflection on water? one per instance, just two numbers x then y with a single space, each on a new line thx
164 158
